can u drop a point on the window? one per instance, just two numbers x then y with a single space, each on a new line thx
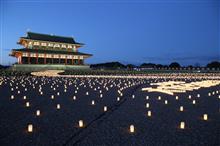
50 45
75 57
40 55
69 46
56 45
63 46
32 55
43 44
81 57
24 54
36 43
55 56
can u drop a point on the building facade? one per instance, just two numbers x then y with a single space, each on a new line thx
44 49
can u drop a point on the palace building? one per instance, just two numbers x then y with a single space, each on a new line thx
50 50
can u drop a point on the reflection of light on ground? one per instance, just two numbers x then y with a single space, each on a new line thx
172 87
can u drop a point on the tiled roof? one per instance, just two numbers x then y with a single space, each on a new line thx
51 38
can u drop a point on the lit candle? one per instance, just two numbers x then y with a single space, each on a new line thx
133 96
205 117
80 123
131 128
147 97
182 125
118 98
159 97
52 96
30 128
74 97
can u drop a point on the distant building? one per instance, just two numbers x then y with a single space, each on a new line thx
50 50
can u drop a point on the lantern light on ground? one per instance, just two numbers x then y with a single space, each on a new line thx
131 129
205 117
81 123
182 125
30 128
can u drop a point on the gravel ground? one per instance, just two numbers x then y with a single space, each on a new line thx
55 127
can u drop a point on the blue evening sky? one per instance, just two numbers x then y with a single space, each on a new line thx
129 31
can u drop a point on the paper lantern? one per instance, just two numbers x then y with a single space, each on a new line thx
182 125
38 112
159 97
58 106
74 97
147 105
177 97
166 102
52 96
147 97
133 96
105 108
205 117
131 129
93 102
149 113
194 101
81 123
30 128
118 98
181 108
27 104
12 97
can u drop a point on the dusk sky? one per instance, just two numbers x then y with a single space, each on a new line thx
129 31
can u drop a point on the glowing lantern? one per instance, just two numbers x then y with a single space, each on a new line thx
190 96
182 125
159 97
12 97
52 96
118 98
147 97
80 123
93 102
194 101
147 105
133 96
177 97
24 97
205 117
30 128
58 106
74 97
38 112
87 93
181 108
131 129
166 102
149 113
198 95
27 104
58 93
105 108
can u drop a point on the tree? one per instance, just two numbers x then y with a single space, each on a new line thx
214 64
174 65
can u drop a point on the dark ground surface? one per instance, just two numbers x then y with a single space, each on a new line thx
60 127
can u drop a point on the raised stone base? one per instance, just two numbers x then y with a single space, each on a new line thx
39 67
